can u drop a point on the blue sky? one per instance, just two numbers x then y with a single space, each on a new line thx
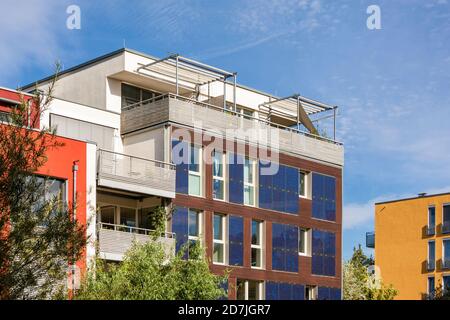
392 85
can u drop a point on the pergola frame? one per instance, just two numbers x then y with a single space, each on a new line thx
302 117
208 73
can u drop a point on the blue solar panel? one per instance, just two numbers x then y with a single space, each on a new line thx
291 196
272 290
279 192
323 293
285 290
180 226
335 294
182 173
298 292
236 178
236 239
323 197
323 253
284 247
224 286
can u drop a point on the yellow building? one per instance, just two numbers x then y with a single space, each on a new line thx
412 244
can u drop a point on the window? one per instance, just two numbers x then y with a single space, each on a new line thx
247 113
144 219
310 292
431 216
218 175
219 238
250 290
107 215
128 217
5 117
257 244
132 95
51 190
304 242
249 182
303 180
195 171
194 226
431 255
431 220
446 253
446 218
431 287
446 285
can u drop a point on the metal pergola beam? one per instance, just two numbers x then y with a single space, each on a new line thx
180 62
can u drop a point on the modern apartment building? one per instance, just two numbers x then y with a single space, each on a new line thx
246 172
412 244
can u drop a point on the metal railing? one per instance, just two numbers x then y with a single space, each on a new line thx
221 109
431 265
445 263
158 174
128 229
431 230
445 228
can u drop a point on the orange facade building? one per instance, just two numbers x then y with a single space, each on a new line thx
412 244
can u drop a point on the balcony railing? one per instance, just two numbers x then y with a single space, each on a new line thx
231 112
431 230
431 265
223 122
115 240
445 227
445 263
125 172
370 240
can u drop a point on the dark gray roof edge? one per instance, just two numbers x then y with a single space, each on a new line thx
414 198
77 67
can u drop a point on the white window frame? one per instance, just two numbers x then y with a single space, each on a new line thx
308 242
307 184
223 178
261 289
200 168
199 237
223 241
259 246
312 290
253 184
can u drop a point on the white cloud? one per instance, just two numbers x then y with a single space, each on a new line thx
28 35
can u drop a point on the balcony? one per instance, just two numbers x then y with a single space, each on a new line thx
188 112
431 265
133 174
445 264
430 230
115 240
445 228
370 240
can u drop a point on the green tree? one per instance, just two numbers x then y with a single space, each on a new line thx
359 284
148 273
38 237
